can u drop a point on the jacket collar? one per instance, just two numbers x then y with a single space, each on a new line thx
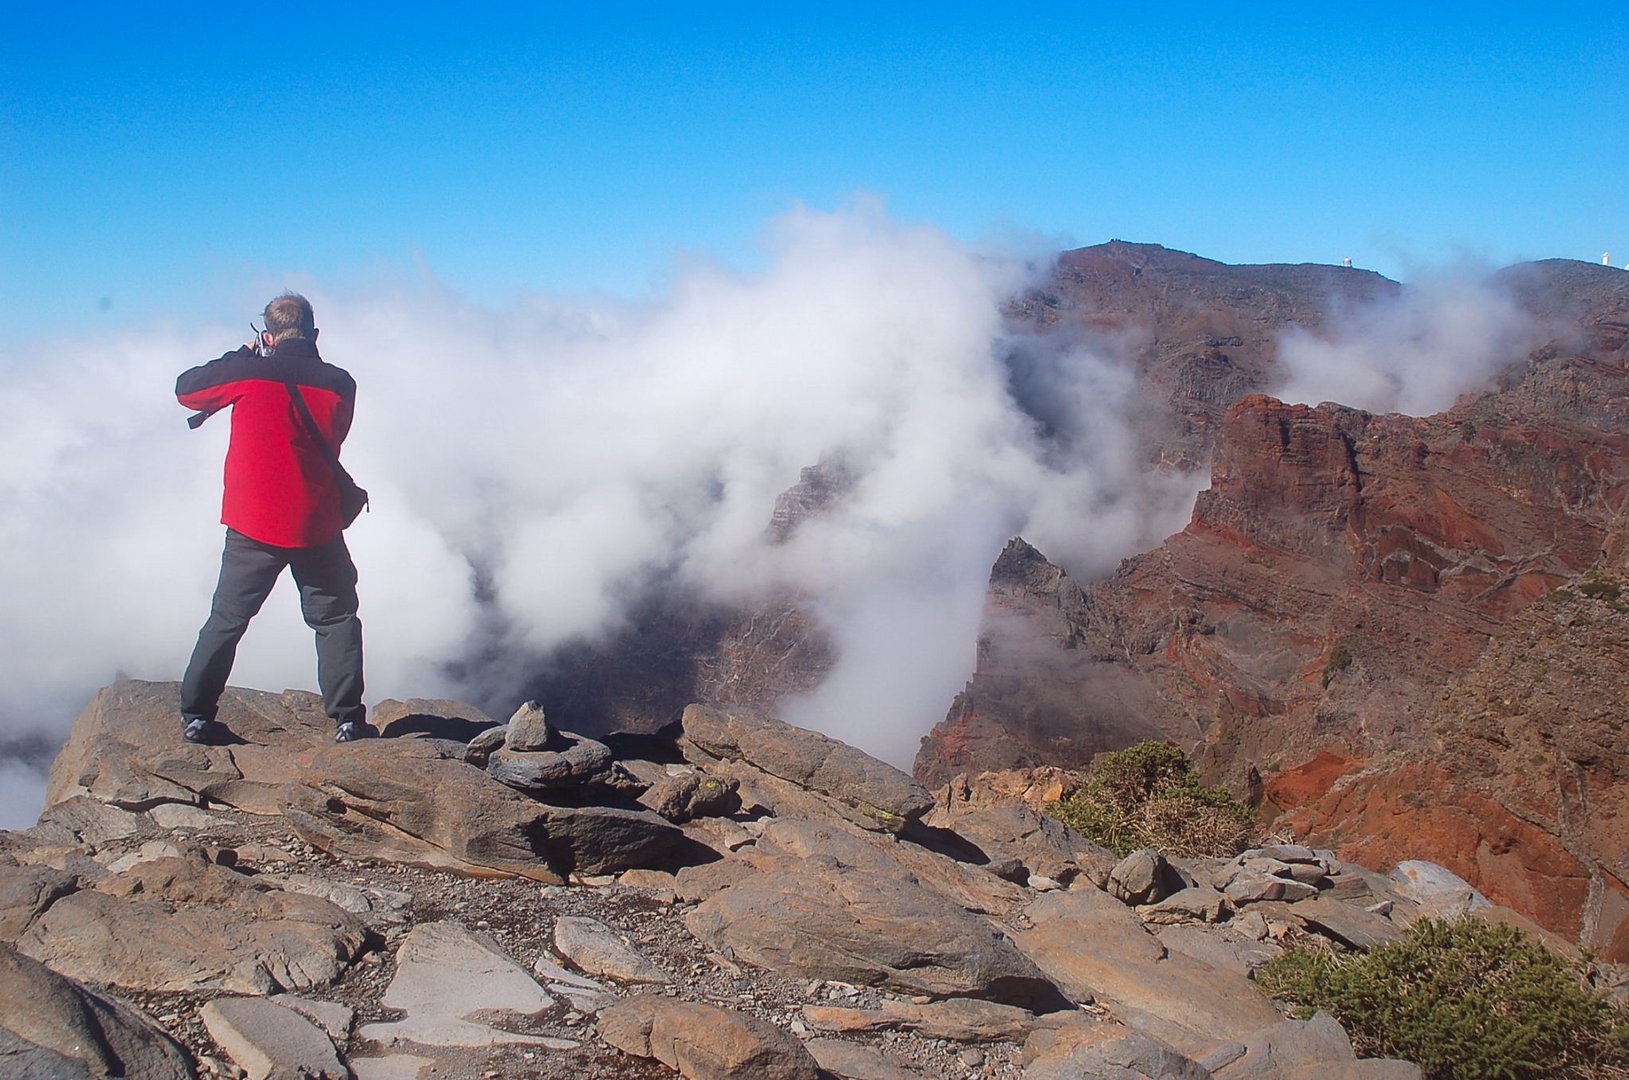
296 347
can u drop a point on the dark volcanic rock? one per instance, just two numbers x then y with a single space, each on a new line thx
418 801
570 762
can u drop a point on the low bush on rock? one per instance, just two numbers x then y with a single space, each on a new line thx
1461 998
1147 796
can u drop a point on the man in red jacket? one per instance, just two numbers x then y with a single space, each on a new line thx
281 508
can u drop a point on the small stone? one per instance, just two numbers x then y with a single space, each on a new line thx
529 729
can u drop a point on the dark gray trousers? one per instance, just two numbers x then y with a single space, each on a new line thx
327 579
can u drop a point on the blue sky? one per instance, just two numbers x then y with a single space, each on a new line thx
168 162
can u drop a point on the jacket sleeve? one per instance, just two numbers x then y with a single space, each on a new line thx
217 384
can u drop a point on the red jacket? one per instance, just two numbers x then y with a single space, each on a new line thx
280 488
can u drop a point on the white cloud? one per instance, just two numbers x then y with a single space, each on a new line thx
1413 353
570 451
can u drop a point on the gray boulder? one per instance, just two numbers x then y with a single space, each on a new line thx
705 1042
125 749
573 762
693 795
1351 926
416 801
815 918
1250 888
25 894
177 924
880 795
1223 948
1143 877
1178 999
1040 844
1436 889
50 1026
528 729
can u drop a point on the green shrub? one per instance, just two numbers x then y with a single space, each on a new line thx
1146 796
1340 658
1598 586
1461 999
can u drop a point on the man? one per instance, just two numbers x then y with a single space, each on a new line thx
281 508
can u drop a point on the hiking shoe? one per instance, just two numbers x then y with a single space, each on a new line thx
352 730
205 732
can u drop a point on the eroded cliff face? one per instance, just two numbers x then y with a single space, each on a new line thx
1345 576
1199 334
1521 782
1338 570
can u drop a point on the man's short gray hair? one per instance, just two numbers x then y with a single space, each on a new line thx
289 316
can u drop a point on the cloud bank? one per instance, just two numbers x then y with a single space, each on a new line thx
544 461
1413 353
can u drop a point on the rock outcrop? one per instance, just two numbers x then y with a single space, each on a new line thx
1341 576
848 926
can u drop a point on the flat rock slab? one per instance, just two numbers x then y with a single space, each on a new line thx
1094 948
331 1016
598 950
972 888
584 993
705 1042
271 1042
179 924
1348 925
444 976
883 795
814 918
416 801
50 1026
391 1067
1227 950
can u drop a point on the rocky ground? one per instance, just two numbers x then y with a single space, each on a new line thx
738 899
518 916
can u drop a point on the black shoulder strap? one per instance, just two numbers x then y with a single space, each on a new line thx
315 432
